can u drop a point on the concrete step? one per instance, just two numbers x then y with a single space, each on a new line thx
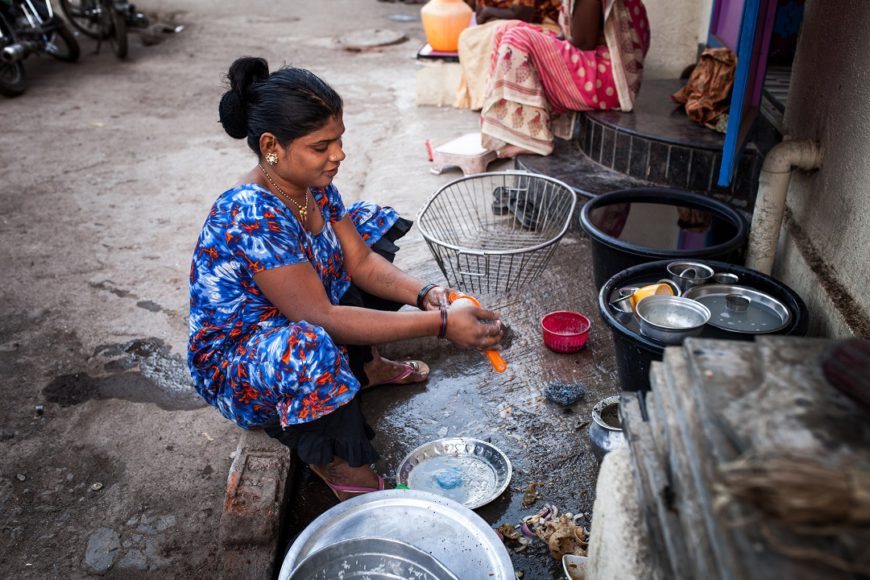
655 144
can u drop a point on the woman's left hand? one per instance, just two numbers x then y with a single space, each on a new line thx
436 298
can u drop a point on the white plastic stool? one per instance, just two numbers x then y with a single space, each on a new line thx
466 152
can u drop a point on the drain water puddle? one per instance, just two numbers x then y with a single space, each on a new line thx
141 371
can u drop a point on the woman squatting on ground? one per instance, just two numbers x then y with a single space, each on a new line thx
289 288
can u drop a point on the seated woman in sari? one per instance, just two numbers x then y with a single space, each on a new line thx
539 79
476 42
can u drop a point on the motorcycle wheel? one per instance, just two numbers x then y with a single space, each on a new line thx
84 15
62 43
115 22
12 80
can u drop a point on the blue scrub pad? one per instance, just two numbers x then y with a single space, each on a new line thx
449 478
563 394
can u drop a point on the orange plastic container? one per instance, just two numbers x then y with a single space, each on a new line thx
494 357
443 21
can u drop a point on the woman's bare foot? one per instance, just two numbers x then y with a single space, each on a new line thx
511 151
342 478
382 371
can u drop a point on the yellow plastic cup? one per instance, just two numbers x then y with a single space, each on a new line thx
650 290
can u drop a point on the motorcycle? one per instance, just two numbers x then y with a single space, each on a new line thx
30 27
105 19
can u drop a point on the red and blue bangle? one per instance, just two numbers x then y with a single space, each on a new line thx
422 295
442 332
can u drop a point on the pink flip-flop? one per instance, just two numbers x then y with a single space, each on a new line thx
408 368
338 489
356 489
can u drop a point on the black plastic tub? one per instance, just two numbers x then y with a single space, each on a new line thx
635 352
633 226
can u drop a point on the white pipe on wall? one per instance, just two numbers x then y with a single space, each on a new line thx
770 203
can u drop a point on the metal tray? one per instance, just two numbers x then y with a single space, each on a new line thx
765 314
469 471
371 559
443 528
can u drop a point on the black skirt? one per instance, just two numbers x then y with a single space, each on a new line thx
343 433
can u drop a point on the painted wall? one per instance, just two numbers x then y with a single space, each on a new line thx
677 27
824 251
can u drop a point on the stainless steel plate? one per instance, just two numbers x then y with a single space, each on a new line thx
443 528
371 559
764 313
469 471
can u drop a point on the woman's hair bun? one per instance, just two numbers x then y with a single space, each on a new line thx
233 116
243 73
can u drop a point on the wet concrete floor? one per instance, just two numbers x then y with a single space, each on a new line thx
545 442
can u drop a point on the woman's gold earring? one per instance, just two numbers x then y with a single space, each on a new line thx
272 158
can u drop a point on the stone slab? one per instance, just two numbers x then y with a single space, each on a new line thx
254 505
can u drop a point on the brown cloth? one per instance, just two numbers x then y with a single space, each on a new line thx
706 94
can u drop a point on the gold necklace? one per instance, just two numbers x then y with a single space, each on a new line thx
303 209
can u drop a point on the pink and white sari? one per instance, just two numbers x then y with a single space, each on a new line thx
538 81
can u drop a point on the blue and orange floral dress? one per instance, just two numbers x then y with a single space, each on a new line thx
245 357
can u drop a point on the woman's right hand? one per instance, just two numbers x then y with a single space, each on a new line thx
473 327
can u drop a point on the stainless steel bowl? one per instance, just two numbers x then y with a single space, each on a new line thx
670 319
443 528
674 286
574 566
689 274
371 559
478 471
626 291
622 304
603 436
726 278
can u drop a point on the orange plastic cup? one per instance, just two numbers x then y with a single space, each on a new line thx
495 359
650 290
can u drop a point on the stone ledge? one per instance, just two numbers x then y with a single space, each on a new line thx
618 545
257 491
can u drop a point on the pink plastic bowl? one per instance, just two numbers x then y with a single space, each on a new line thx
565 331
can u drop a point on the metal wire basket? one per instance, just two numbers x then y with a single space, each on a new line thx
494 232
